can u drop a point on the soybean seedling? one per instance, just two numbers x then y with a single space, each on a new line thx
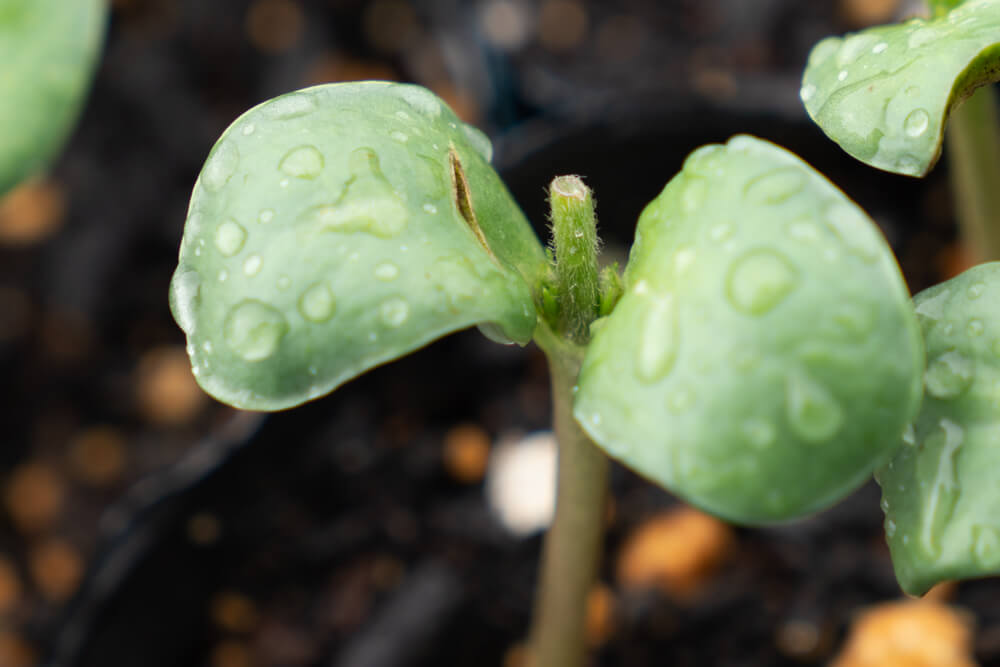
48 49
759 357
885 95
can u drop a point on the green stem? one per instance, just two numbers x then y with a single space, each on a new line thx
973 141
573 545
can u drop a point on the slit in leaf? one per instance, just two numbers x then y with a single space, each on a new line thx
463 199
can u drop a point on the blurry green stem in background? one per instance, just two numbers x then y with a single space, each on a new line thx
973 141
572 549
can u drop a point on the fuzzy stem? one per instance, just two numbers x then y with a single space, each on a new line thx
572 549
574 237
973 141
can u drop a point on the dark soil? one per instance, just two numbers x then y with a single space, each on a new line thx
337 523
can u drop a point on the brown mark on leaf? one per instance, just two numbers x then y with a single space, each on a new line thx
463 199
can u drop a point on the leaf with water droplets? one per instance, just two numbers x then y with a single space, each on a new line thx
48 49
941 490
762 373
884 94
338 227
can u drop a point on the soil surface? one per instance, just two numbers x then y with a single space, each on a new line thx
144 524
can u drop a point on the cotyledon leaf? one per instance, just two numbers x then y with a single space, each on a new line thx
765 357
338 227
939 492
884 94
48 49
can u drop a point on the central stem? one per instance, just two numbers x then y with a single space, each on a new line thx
572 550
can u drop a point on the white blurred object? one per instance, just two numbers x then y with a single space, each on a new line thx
521 482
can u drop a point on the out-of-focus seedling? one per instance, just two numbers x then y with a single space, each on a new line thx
760 356
48 49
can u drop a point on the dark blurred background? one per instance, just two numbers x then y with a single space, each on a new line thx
141 523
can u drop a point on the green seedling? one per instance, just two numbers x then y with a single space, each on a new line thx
885 95
760 356
49 49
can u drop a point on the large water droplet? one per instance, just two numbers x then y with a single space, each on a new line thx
252 264
813 412
916 123
289 106
775 186
220 166
921 37
386 271
759 280
368 203
302 162
658 343
230 237
316 304
421 99
854 229
940 502
807 92
394 312
932 308
253 329
185 296
853 47
949 376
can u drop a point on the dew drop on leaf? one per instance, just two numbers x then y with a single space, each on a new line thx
394 312
230 237
813 413
949 376
302 162
251 266
916 123
657 346
775 186
759 280
316 304
221 166
253 329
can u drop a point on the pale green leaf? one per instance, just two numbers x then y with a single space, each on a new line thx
764 358
48 49
884 94
339 227
940 492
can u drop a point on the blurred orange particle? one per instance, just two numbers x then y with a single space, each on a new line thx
56 568
675 552
274 26
231 653
562 24
34 496
10 586
97 455
15 651
168 393
466 452
868 12
234 612
600 623
31 212
911 633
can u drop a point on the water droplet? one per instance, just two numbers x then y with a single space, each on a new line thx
251 266
197 252
683 260
986 546
908 164
804 230
932 307
760 432
759 280
949 376
207 346
853 47
842 75
230 237
912 91
265 216
302 162
386 271
283 183
921 37
940 502
694 193
223 275
316 304
401 137
916 123
185 297
854 230
421 99
890 528
403 116
479 141
909 435
284 282
394 312
775 186
884 504
430 208
220 166
823 50
813 412
721 232
289 106
880 48
975 328
807 92
368 204
248 129
657 347
855 319
253 329
976 290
